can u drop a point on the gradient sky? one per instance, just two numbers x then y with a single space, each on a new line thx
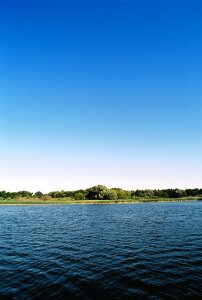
100 92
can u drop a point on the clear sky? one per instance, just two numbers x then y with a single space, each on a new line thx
100 92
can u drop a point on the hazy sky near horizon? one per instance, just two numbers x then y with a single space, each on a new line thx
100 92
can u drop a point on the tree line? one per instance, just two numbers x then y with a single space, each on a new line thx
101 192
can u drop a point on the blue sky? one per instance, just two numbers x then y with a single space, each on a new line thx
100 92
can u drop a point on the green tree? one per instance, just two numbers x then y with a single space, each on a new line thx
79 196
38 194
24 194
110 194
122 194
101 192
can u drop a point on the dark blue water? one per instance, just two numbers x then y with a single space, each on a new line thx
137 251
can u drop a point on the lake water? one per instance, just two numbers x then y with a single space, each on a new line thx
132 251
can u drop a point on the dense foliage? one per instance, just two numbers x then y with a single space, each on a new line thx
101 192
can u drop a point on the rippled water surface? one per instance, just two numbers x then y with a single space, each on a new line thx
137 251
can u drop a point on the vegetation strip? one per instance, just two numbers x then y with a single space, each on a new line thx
100 194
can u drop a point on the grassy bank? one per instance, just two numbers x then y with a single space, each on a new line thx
32 201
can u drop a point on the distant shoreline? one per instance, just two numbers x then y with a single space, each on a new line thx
92 202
